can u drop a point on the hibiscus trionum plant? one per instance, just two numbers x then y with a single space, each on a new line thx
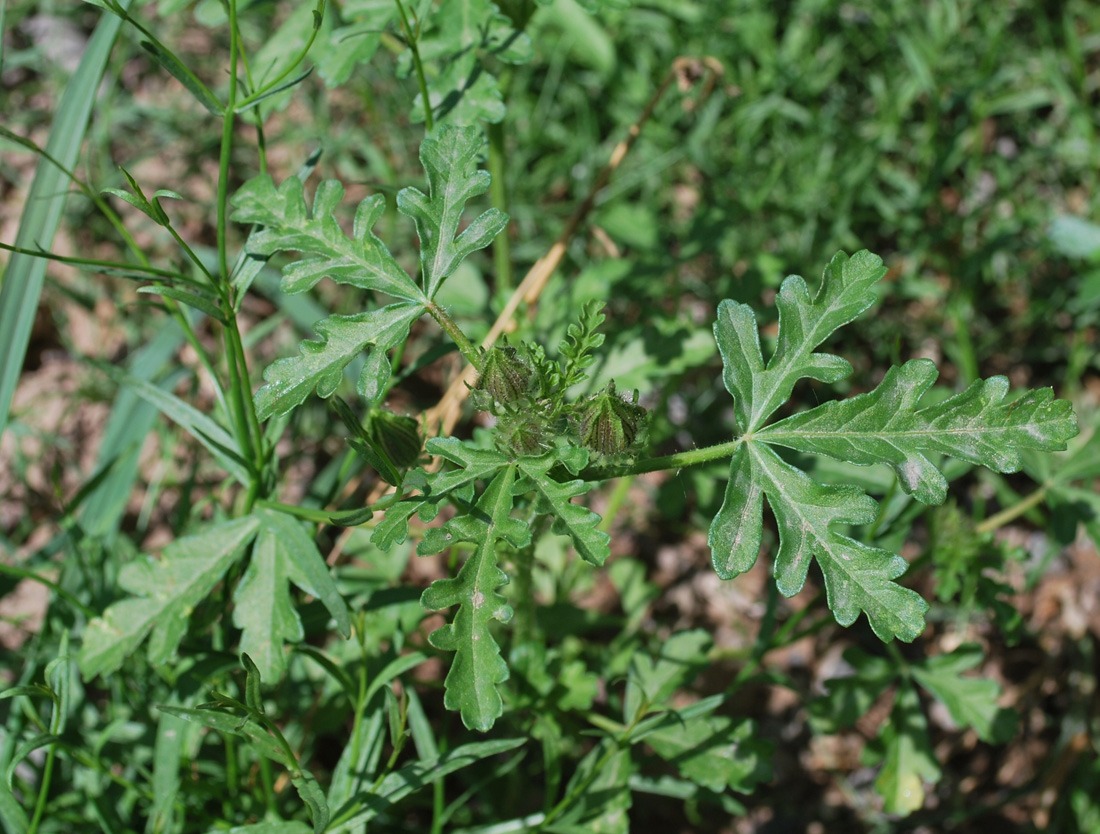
549 446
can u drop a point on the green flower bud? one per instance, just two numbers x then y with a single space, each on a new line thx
397 437
504 376
609 424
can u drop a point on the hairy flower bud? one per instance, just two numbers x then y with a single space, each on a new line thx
504 376
608 423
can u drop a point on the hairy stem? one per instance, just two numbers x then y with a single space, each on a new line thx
679 460
995 522
473 356
502 244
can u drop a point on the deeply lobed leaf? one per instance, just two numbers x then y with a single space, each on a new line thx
264 610
478 668
449 157
165 591
804 323
360 261
887 426
320 365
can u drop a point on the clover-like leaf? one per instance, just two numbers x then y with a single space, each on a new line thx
360 261
449 157
478 667
165 591
283 553
321 364
555 499
887 426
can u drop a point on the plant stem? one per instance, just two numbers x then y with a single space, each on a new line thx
679 460
995 522
44 788
502 244
455 332
411 38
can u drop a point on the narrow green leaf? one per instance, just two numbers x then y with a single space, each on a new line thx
12 816
226 722
848 699
202 303
361 261
554 498
449 157
887 426
478 666
400 783
603 807
652 682
321 364
264 611
211 435
266 827
165 592
23 277
314 798
25 748
178 70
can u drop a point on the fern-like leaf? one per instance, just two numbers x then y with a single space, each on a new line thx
478 668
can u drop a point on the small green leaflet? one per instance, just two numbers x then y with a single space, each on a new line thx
554 499
886 425
264 610
478 666
449 157
165 591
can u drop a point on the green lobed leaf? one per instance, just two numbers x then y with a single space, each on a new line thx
848 699
449 156
165 592
356 42
460 35
716 752
804 323
909 761
887 426
473 465
651 682
360 261
478 667
972 702
283 553
858 577
554 498
321 364
603 806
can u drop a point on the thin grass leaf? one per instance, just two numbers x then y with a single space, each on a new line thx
178 70
22 281
216 439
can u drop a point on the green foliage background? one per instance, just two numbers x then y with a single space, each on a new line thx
958 140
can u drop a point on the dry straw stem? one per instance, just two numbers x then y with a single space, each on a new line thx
441 419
